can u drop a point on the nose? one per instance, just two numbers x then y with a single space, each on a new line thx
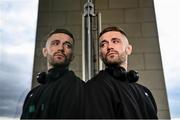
60 47
110 46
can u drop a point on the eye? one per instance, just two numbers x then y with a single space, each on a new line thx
55 43
103 44
67 45
115 41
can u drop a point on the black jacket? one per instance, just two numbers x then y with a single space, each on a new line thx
60 97
107 97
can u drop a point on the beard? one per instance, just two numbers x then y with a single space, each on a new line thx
115 59
61 61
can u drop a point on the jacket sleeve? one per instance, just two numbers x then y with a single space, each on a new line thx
28 104
151 97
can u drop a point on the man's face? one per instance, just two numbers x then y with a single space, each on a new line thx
58 50
114 48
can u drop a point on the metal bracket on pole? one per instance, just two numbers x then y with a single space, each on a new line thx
89 8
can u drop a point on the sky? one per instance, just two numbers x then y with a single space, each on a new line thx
168 21
18 19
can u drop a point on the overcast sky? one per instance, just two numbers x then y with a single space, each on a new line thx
17 40
168 21
18 20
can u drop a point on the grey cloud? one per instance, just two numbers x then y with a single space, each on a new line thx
10 108
11 102
15 81
16 66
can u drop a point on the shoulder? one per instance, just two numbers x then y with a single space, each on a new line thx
79 80
148 93
31 95
71 75
99 77
101 81
33 91
145 89
96 79
96 85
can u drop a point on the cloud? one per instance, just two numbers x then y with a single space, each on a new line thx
15 82
17 34
169 39
175 104
18 21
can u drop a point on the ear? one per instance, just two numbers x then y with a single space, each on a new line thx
44 51
128 49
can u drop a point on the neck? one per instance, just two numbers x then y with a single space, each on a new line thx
50 67
56 66
124 65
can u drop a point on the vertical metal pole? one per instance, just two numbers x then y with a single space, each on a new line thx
89 44
99 30
83 50
87 40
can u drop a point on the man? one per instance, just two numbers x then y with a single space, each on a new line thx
113 92
60 92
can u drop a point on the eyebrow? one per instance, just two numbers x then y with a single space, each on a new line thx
103 41
54 40
115 39
50 41
68 42
61 41
111 39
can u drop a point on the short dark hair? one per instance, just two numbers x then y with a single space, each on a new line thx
112 28
65 31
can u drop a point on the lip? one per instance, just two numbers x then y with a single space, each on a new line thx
59 55
111 53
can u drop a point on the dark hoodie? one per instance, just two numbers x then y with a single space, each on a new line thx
60 96
109 97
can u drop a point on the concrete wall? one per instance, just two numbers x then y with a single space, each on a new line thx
136 17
